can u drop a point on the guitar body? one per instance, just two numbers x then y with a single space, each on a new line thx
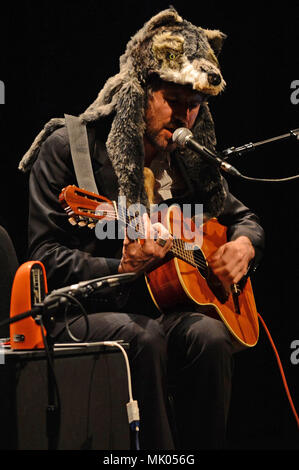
178 285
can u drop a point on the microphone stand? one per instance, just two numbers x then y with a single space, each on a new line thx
43 313
239 151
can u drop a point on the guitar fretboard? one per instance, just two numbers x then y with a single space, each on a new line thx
192 255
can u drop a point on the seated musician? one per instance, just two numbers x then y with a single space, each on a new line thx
167 74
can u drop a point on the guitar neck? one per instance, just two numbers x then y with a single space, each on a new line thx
86 208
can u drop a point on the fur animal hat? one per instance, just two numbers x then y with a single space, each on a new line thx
178 52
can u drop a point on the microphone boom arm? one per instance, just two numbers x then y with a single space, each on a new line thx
239 151
184 137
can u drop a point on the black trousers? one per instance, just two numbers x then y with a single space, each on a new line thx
191 362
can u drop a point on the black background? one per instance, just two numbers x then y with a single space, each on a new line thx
56 56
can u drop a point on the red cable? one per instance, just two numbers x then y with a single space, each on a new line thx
281 370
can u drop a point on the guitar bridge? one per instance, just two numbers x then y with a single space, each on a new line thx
236 291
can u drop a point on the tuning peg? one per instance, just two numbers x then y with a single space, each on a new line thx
82 223
68 210
72 221
91 225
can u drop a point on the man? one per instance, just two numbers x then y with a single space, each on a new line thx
167 73
171 106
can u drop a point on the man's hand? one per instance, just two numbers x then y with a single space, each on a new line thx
138 255
230 262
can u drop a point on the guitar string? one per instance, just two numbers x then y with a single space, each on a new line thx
191 256
186 255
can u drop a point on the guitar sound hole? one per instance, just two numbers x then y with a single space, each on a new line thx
192 254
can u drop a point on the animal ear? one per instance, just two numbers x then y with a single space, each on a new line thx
166 17
216 39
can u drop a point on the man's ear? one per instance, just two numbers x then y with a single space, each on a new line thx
216 39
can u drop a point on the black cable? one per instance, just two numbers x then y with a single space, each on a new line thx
84 314
72 299
228 168
270 180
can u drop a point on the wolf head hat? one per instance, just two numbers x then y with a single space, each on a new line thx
178 52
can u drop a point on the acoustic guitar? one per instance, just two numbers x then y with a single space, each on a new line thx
184 281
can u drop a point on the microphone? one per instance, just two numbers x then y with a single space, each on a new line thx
184 138
85 288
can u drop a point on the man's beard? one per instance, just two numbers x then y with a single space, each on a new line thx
153 139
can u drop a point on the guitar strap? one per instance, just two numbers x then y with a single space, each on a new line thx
80 153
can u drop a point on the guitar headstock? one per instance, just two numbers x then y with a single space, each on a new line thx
85 208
